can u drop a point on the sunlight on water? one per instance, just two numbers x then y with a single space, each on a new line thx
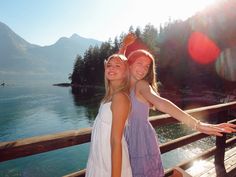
176 156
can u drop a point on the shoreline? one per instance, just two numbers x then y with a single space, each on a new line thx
63 84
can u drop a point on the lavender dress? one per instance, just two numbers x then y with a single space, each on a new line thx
142 142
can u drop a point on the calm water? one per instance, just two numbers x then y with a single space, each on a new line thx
31 111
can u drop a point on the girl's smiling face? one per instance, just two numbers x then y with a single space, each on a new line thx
115 69
140 67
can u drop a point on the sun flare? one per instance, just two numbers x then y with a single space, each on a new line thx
183 9
159 12
197 166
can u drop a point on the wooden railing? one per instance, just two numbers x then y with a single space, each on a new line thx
39 144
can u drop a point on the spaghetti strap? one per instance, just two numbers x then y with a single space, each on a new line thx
133 89
128 96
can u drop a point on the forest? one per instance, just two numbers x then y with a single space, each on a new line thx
186 52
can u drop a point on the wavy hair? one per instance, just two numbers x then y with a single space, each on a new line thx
151 75
124 87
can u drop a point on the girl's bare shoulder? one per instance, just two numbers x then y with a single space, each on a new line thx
120 97
142 84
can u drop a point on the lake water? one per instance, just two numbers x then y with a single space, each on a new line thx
40 110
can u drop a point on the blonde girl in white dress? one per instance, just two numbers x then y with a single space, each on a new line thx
108 155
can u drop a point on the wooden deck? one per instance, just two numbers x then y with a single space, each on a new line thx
201 168
207 167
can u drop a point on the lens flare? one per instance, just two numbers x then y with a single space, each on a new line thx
202 49
226 64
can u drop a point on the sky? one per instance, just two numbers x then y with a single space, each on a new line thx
44 22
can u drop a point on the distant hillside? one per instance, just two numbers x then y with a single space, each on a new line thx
21 61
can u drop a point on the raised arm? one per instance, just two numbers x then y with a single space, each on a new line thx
128 39
170 108
120 109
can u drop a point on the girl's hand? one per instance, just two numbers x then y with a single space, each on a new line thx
216 129
129 39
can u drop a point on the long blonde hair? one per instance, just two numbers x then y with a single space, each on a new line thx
151 75
124 86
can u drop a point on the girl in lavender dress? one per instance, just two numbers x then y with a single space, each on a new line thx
141 138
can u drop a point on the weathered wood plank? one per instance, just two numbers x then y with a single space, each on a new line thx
179 142
166 119
80 173
230 163
39 144
208 168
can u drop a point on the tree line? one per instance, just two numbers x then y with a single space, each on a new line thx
169 46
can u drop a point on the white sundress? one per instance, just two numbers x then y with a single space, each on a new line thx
99 160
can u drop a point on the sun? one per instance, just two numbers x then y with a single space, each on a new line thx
183 9
160 11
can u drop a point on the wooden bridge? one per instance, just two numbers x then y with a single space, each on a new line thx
220 159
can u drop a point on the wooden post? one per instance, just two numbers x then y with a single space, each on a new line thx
220 150
220 146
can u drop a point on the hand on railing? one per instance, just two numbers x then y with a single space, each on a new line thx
216 129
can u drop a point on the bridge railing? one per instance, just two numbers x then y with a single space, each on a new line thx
39 144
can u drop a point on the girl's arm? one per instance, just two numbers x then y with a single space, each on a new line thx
120 109
166 106
128 39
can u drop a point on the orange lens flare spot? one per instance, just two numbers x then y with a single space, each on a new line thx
202 49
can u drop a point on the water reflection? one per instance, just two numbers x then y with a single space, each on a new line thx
88 97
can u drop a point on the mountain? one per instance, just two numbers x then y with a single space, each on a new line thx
21 61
